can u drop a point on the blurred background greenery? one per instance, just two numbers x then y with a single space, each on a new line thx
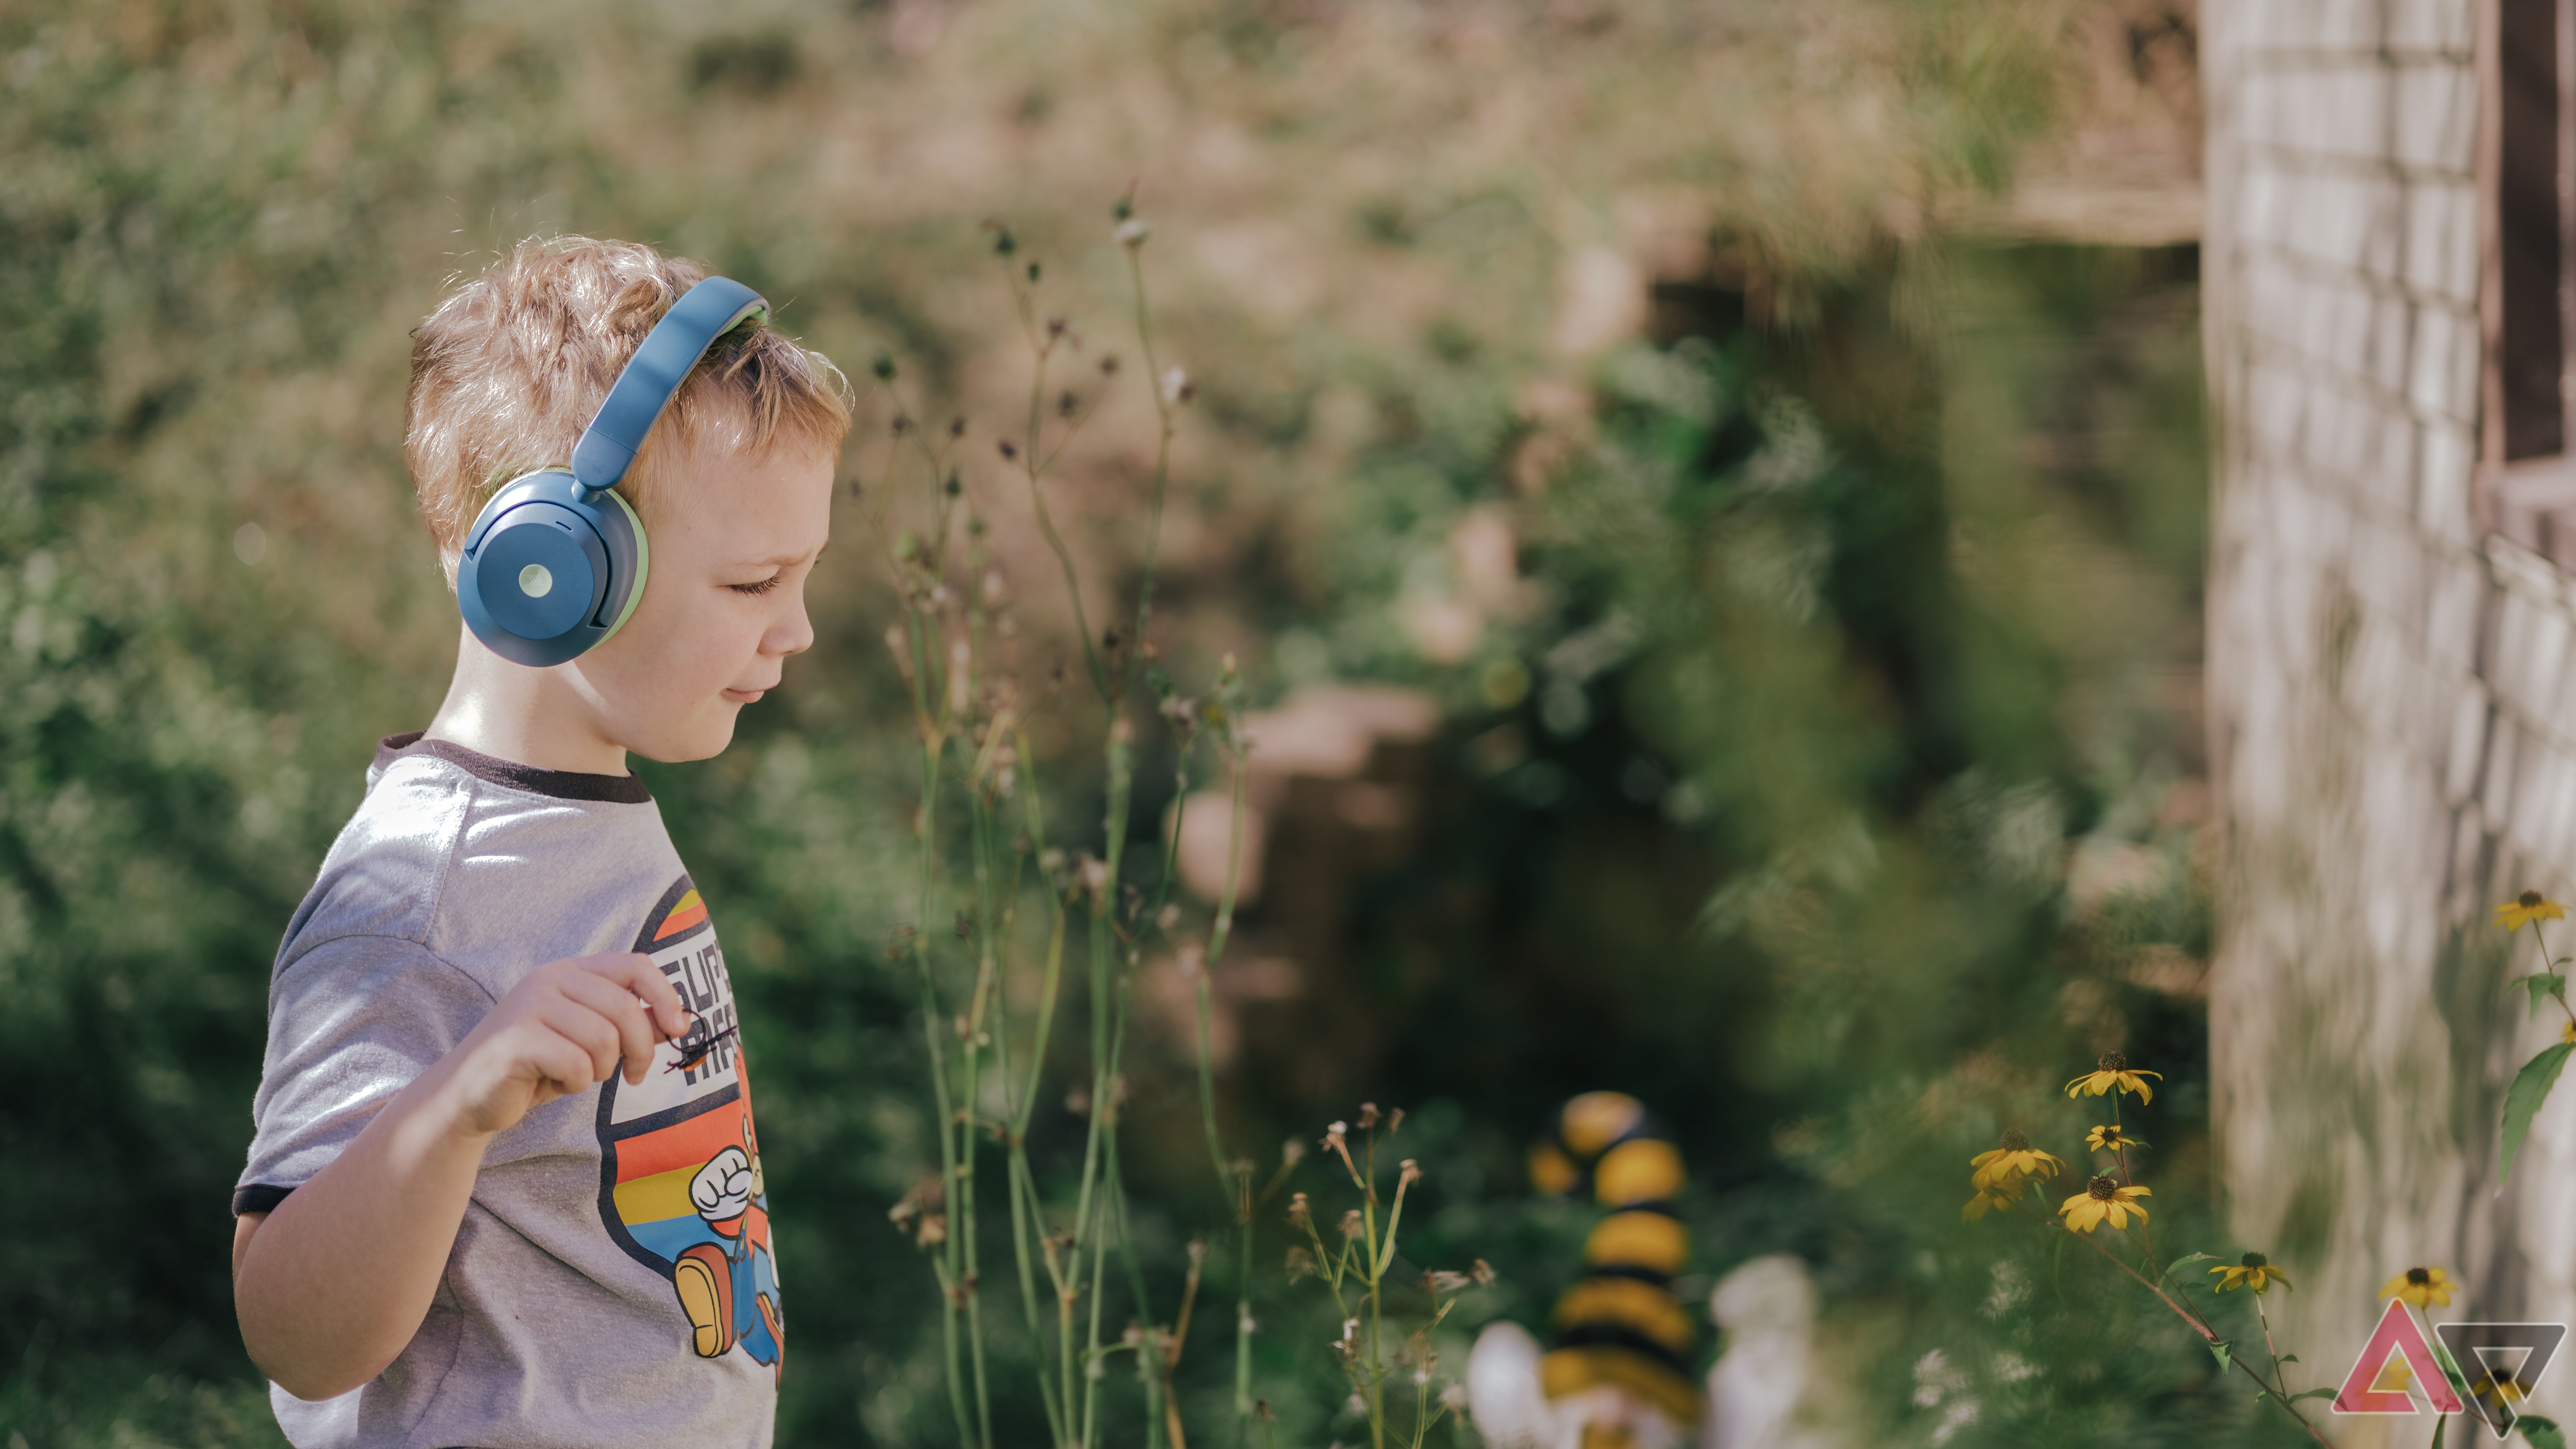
1774 544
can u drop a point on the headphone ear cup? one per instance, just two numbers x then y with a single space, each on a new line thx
544 574
630 562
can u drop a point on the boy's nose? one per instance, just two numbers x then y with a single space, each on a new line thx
793 634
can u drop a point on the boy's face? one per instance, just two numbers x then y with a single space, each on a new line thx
724 601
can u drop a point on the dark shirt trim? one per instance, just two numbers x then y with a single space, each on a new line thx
258 1197
626 789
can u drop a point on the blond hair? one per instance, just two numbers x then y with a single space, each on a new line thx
508 370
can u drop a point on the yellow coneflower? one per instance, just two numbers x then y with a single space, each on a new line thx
2103 1199
2252 1271
2567 1033
2015 1159
2112 1070
2526 908
1993 1199
2497 1384
2422 1287
2394 1377
2109 1138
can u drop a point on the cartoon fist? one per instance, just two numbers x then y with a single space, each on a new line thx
723 1188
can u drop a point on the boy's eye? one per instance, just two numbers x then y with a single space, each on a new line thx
756 590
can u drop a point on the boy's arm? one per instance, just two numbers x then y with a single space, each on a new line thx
333 1282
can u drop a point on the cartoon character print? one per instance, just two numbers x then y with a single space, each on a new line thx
681 1188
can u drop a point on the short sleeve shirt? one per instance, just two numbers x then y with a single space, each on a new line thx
613 1281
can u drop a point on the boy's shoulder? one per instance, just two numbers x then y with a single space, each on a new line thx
446 831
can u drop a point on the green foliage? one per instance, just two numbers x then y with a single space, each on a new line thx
2522 1100
1756 803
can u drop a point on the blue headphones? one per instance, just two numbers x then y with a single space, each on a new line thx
556 561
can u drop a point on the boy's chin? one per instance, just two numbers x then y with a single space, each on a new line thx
702 738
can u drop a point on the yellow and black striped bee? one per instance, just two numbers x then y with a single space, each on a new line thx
1618 1371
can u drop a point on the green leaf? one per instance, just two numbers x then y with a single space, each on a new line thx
2178 1264
2522 1100
2543 1433
2219 1350
2541 986
2293 1358
2312 1393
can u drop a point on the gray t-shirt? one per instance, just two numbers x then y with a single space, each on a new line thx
613 1282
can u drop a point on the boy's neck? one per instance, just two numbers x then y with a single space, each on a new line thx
538 717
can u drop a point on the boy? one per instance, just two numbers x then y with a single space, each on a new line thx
505 1188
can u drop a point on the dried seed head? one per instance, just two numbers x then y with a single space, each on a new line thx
1131 233
2419 1276
1368 1115
934 1231
1395 1122
1352 1226
2016 1140
2112 1062
1300 1263
2528 899
2254 1260
1483 1273
2103 1188
1408 1173
1198 1251
1441 1280
1177 387
1453 1397
1293 1151
1168 917
1298 1211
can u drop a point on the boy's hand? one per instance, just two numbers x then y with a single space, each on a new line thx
563 1029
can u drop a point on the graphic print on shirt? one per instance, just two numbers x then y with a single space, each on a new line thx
680 1186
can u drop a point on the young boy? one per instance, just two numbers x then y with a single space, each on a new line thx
505 1188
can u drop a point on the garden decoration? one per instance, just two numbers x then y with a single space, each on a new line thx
1620 1368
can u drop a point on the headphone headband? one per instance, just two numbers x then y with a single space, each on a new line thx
704 313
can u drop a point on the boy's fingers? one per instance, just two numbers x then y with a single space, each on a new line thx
583 1026
635 1036
636 972
562 1065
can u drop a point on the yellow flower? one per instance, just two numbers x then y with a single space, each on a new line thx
2103 1198
2113 1071
2252 1271
1987 1200
2499 1385
2109 1138
2016 1159
2567 1033
2526 908
2422 1287
2394 1377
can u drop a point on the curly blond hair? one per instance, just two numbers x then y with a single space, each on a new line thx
508 370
